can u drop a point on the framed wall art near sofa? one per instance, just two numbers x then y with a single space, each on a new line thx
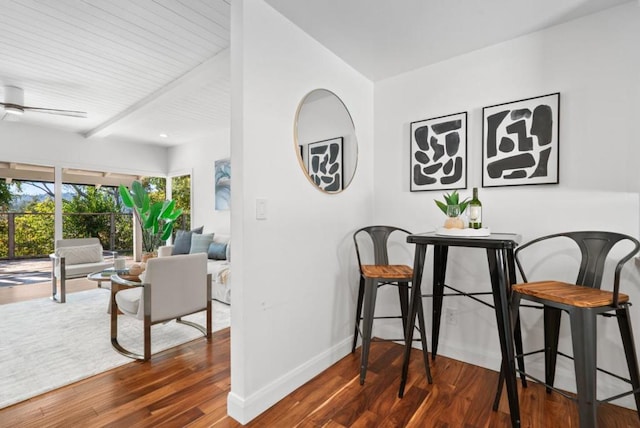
520 142
325 164
439 153
223 184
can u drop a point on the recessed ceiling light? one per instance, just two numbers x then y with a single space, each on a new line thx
163 135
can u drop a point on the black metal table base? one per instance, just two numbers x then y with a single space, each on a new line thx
499 248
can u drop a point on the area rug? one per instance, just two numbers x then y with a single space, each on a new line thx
46 345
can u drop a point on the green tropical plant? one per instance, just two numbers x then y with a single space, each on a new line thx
452 199
156 219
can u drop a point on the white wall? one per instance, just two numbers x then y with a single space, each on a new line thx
294 279
198 159
43 146
594 63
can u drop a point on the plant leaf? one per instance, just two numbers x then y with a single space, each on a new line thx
455 198
151 222
167 208
140 196
463 205
126 196
174 215
442 206
166 231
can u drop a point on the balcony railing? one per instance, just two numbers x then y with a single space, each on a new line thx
31 235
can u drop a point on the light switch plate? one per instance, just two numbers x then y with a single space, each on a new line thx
261 209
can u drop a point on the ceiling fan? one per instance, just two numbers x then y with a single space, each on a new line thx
14 104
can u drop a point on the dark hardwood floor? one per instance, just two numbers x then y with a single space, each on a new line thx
187 386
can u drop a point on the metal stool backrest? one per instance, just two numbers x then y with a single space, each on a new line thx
380 238
595 247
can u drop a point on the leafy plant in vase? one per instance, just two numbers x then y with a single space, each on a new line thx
156 219
453 208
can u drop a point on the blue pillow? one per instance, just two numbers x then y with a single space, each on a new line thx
217 251
182 241
200 243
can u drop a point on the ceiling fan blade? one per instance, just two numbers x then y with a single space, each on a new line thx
71 113
12 108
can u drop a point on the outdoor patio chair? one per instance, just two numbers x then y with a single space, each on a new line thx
75 258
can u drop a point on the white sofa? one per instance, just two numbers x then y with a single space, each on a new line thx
219 269
75 258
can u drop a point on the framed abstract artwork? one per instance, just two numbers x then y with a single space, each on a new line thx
520 142
223 184
325 164
439 153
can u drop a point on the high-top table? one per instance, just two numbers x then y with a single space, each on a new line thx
500 255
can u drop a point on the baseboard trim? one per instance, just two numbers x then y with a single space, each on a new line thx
246 409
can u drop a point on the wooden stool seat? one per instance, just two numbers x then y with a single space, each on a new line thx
390 272
569 294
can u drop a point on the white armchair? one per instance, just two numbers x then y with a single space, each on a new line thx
173 287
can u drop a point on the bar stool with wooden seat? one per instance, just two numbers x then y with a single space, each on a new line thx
583 301
374 275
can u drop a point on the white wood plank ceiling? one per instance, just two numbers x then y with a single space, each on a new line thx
139 68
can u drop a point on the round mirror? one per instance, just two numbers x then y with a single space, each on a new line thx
325 141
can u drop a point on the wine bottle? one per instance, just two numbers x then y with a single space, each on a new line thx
475 211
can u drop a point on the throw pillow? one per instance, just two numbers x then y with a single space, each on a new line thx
182 243
217 251
81 254
200 243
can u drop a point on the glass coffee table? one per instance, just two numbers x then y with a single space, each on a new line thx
101 276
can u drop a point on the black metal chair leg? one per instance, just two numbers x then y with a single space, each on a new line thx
515 316
583 334
423 338
552 318
371 289
358 314
496 399
624 323
403 294
439 273
517 339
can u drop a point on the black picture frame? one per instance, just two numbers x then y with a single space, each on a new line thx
438 153
521 142
325 164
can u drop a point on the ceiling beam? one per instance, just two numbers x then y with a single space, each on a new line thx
205 71
10 171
